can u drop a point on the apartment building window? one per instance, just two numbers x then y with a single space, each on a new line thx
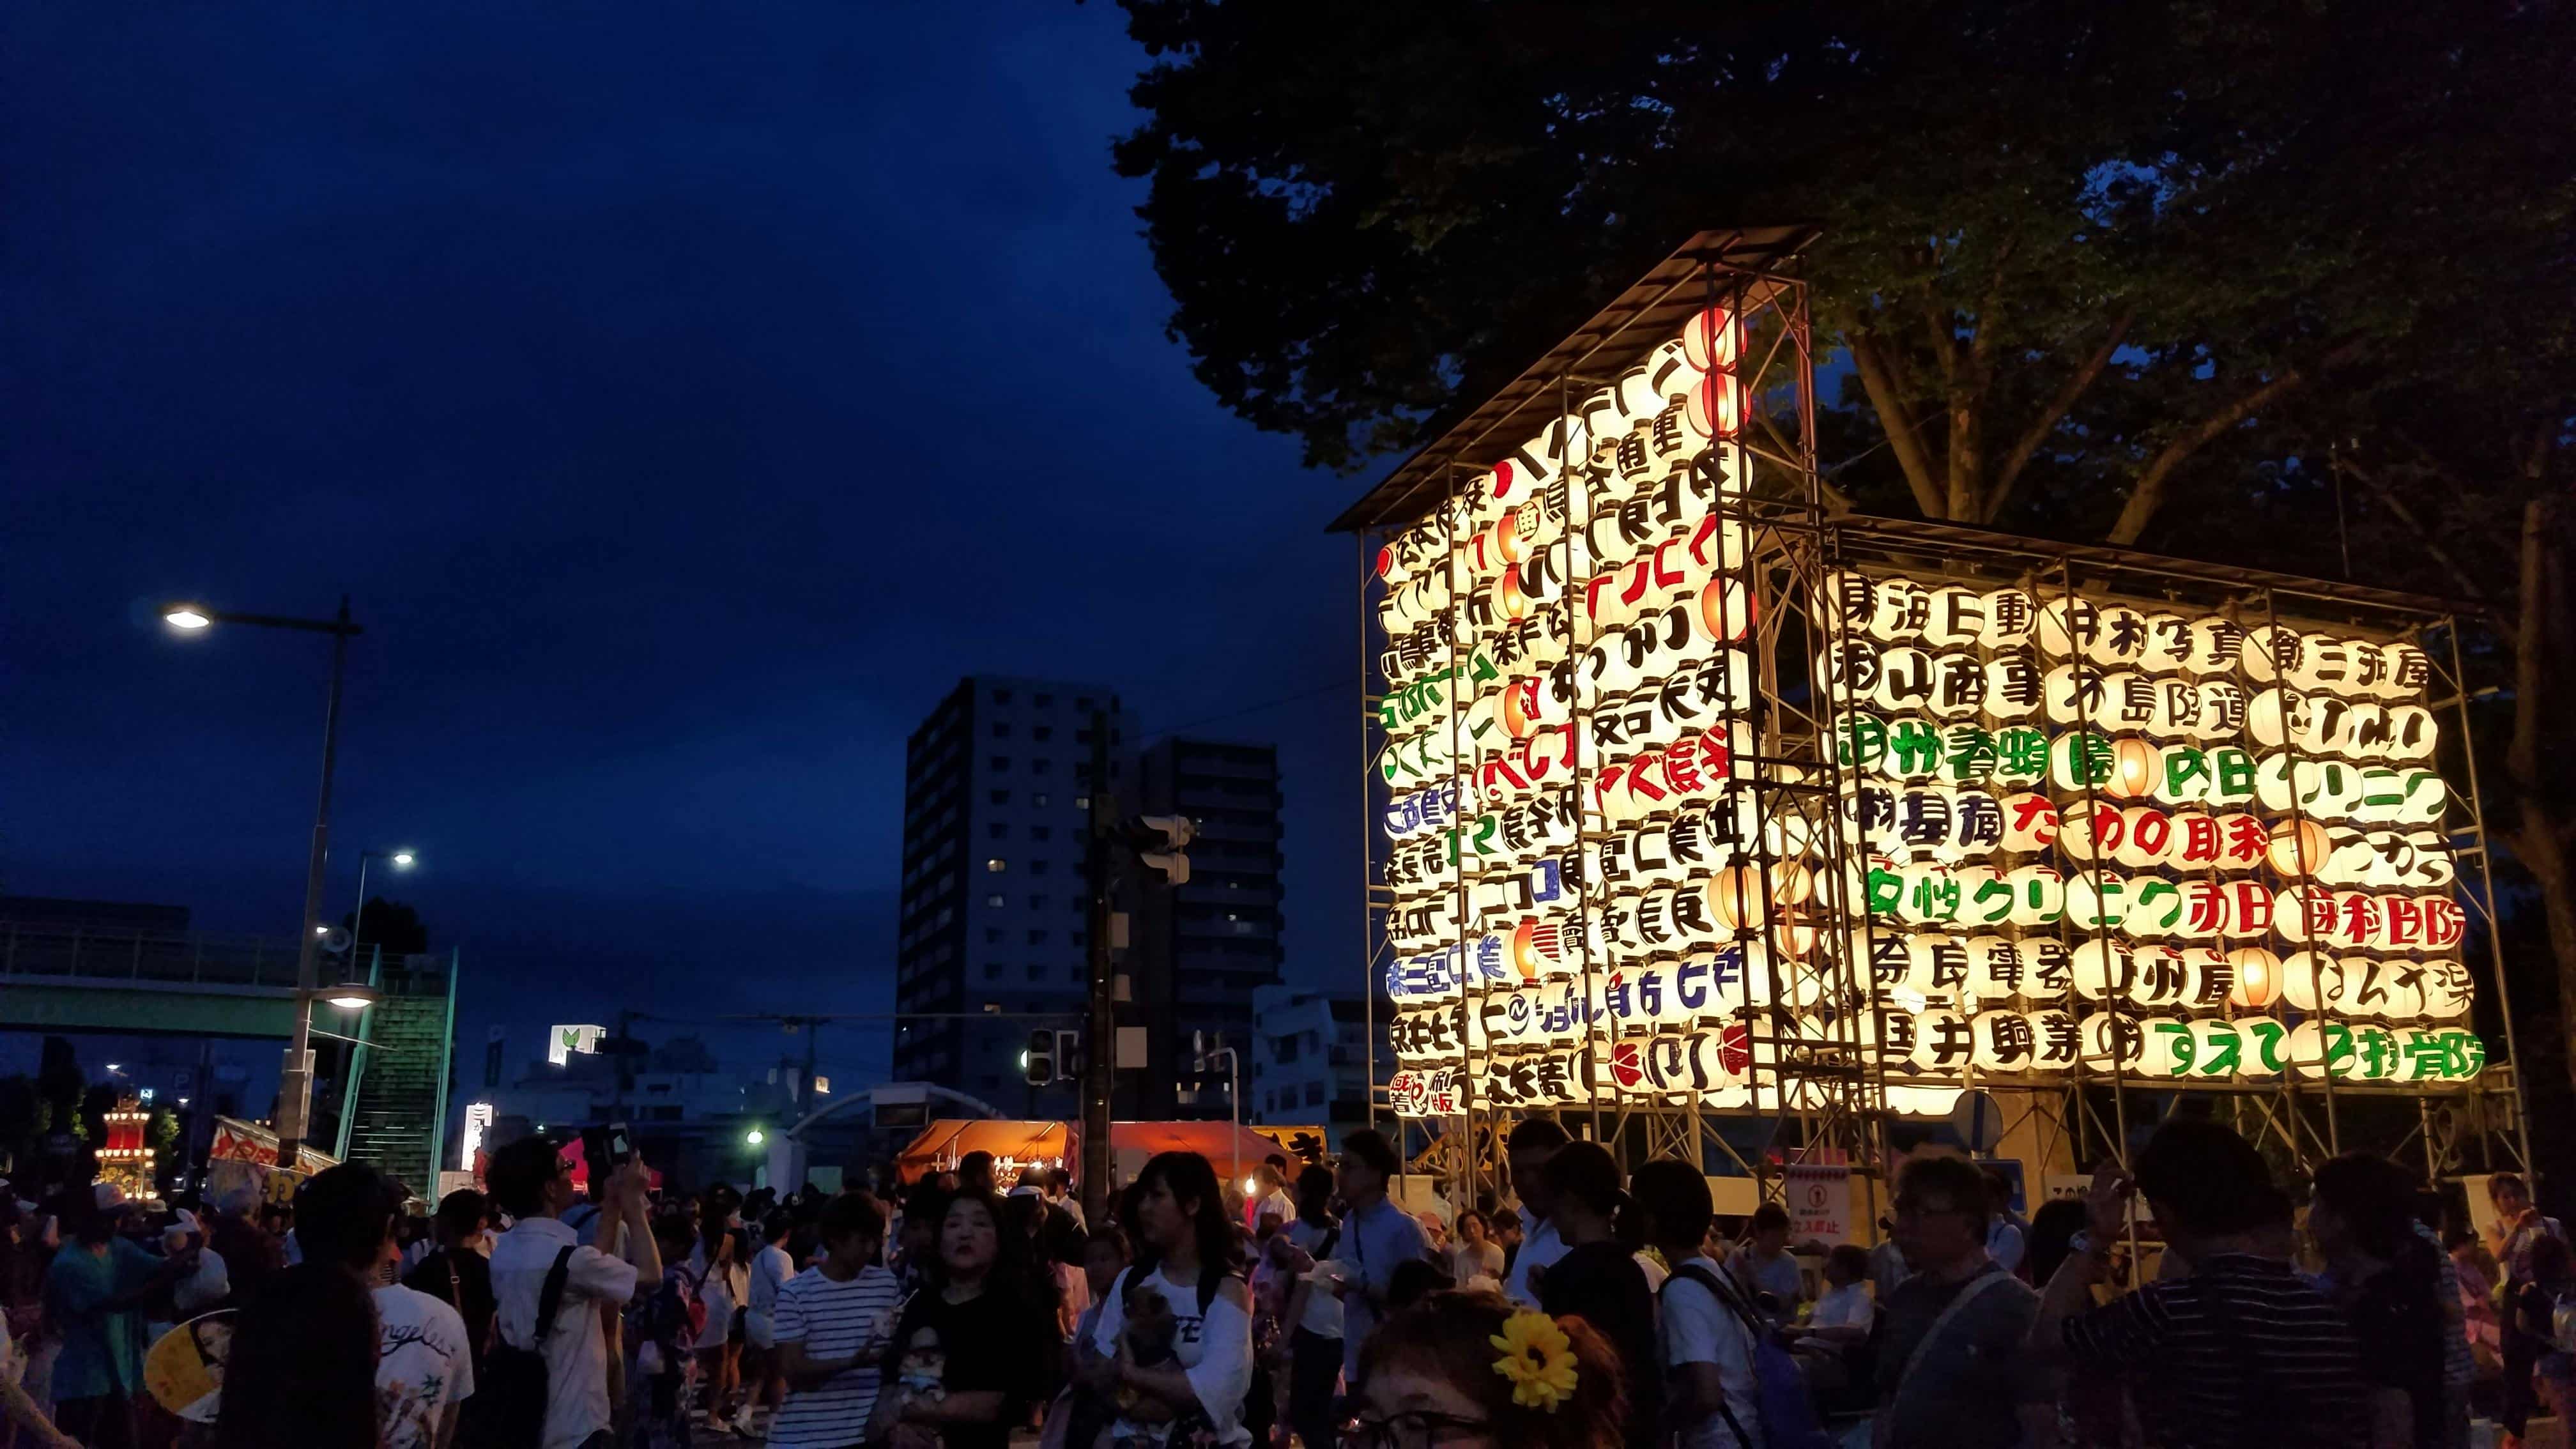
992 935
1037 867
1042 700
1001 696
992 970
1037 903
1314 1094
1001 797
1037 938
1042 733
1039 800
1037 971
1042 832
1001 731
1039 766
998 831
994 901
996 865
999 763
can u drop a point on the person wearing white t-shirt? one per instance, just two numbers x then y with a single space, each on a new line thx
1314 1310
832 1326
346 1216
532 1183
1706 1334
1533 1143
1205 1367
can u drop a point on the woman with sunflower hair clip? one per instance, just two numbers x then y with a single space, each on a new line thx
1468 1370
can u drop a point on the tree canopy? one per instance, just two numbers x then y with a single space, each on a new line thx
2068 251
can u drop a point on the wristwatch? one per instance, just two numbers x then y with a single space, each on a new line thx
2082 1243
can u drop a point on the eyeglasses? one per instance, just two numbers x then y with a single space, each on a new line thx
1420 1429
1915 1207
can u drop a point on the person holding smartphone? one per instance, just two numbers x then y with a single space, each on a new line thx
831 1324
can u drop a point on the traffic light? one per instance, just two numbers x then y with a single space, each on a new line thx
1160 842
1038 1062
1068 1056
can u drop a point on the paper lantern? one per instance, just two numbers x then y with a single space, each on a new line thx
1956 617
1995 969
2067 626
2170 1047
2258 978
1904 681
2168 644
2011 617
2003 1041
2104 969
2405 672
2030 822
2134 769
1931 895
2446 988
1709 339
2208 979
2097 900
2318 1049
2056 1040
1715 408
2039 895
2015 688
2087 827
2146 836
2411 733
2311 980
1936 966
2266 1047
2270 651
1738 897
2158 976
2217 1049
2298 848
1944 1042
2112 1042
2216 646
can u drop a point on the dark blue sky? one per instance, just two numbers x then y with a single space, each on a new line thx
685 395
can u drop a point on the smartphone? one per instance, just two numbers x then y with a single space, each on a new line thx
620 1151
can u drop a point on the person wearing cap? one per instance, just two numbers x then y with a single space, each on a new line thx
94 1296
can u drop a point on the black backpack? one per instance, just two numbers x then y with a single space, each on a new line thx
513 1386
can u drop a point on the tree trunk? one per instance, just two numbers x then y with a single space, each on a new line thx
2539 839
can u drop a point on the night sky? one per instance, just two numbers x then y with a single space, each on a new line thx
685 396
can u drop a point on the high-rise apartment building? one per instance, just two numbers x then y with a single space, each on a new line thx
995 906
1201 950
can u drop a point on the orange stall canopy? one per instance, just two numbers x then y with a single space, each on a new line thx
1014 1144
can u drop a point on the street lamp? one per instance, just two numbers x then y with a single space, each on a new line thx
349 996
295 1078
400 860
755 1137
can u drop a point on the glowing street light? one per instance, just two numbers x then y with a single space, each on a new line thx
349 995
295 1080
755 1137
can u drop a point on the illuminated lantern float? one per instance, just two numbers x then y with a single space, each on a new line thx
2057 839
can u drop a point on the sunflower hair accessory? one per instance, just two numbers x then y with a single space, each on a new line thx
1537 1357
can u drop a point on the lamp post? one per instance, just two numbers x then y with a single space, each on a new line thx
401 860
295 1077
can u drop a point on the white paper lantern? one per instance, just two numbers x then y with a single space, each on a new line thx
2112 1042
2257 975
2157 976
1995 969
1709 340
2011 617
2270 651
2067 626
2446 988
2056 1040
2104 969
2146 838
2216 646
2039 895
2004 1041
2170 1047
2030 822
2311 980
1936 966
2097 900
2217 1049
2015 687
2168 644
1944 1043
2266 1049
2317 1049
2085 827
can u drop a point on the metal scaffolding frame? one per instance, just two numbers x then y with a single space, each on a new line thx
1826 1092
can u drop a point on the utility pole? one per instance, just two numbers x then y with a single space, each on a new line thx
1100 1056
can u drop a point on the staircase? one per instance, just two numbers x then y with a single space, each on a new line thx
402 1075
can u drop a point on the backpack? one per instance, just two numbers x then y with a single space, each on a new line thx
514 1378
1787 1417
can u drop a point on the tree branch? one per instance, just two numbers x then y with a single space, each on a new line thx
2405 514
2522 756
1869 358
2077 384
2149 494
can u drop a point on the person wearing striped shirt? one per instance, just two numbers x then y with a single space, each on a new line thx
2241 1350
831 1324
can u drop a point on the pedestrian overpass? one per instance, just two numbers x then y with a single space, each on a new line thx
58 979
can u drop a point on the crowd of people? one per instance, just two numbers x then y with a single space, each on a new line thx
1579 1307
